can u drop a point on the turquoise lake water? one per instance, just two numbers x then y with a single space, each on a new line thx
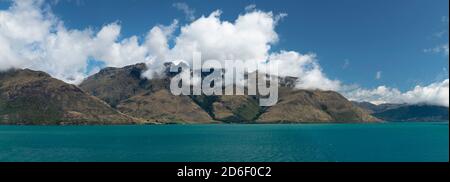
198 143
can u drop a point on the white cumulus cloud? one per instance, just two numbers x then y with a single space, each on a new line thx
248 38
434 94
305 67
31 36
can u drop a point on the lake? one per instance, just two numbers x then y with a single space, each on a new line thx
385 142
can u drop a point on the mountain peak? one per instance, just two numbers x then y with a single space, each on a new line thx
115 84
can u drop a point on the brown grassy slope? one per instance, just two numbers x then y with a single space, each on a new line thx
114 85
33 97
313 106
161 106
125 89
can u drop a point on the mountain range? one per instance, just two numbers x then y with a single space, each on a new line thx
123 96
406 112
152 101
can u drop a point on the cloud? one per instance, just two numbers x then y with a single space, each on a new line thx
188 12
157 44
248 38
305 67
441 49
444 19
76 2
51 47
250 7
435 94
346 64
441 34
378 75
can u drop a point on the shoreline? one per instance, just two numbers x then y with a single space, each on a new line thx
224 124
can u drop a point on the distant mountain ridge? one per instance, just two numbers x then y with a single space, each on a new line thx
405 112
373 108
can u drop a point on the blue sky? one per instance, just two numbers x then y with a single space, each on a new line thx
370 43
353 39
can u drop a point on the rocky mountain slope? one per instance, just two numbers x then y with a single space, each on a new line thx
313 106
151 100
33 97
116 84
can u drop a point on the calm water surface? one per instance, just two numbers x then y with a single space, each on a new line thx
311 142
